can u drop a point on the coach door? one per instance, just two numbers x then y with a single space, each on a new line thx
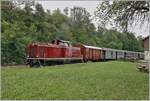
103 54
90 52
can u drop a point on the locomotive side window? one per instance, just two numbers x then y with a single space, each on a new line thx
61 44
65 44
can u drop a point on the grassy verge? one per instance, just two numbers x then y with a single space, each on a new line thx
99 80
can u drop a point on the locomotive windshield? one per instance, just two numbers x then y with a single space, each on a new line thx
61 42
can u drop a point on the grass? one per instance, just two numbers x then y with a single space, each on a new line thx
100 80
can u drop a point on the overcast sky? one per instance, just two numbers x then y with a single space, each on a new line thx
90 7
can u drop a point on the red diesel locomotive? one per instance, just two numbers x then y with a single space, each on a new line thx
57 50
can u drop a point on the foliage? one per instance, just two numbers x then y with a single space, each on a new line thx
122 13
21 26
96 81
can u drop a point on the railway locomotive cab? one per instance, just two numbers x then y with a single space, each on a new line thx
57 51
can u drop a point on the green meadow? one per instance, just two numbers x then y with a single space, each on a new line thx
113 80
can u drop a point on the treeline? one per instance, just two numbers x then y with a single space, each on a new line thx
21 26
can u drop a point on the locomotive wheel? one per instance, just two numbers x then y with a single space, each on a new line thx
37 64
85 61
42 62
34 63
31 64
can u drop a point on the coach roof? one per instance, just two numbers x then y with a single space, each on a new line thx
92 47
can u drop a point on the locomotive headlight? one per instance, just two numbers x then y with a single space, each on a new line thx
37 56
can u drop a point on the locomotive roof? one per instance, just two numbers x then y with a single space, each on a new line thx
64 41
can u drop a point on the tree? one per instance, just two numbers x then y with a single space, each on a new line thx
81 25
66 11
122 13
80 16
